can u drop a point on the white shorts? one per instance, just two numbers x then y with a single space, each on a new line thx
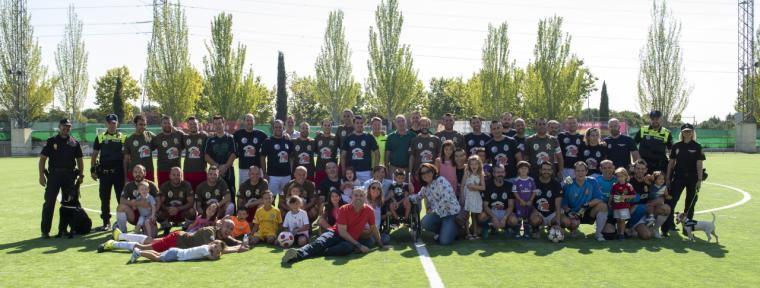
276 183
568 172
548 219
623 214
499 214
363 176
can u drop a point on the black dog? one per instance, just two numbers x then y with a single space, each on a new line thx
72 215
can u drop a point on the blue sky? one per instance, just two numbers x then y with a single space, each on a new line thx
446 37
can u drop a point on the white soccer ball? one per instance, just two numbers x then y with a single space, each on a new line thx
555 234
285 239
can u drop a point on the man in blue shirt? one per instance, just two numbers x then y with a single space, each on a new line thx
582 202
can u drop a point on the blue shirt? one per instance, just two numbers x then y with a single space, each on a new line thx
578 196
619 150
605 187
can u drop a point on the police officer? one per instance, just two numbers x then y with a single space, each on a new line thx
654 142
685 171
62 150
109 167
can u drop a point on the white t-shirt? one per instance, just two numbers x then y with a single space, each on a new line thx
295 221
194 253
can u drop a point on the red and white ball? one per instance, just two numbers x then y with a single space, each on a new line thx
285 239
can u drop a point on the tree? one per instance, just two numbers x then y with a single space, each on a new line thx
662 85
71 61
282 92
556 82
335 84
392 85
118 100
228 90
604 104
25 89
447 95
171 80
107 87
500 79
305 105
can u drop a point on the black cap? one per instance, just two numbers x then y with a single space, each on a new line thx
687 126
64 121
655 114
112 117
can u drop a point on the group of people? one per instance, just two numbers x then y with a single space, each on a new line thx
347 182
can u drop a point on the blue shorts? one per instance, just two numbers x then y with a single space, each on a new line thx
636 216
170 255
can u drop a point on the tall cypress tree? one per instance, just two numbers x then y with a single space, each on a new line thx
604 104
118 105
282 92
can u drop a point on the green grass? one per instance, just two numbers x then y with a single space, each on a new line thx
26 260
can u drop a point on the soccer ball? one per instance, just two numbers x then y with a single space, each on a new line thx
285 239
555 234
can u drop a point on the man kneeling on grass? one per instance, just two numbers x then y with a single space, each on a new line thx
179 239
343 238
211 251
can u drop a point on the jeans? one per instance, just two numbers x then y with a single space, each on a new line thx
445 227
331 244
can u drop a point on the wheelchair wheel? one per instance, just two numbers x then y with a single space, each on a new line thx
415 228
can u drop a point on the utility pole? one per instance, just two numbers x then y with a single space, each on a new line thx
746 126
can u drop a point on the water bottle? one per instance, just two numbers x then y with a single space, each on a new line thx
245 240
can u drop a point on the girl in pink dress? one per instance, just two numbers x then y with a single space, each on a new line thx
446 166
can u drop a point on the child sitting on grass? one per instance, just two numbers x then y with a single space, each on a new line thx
242 227
267 221
297 221
146 205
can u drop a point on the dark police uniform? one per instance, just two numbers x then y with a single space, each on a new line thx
653 147
684 175
110 169
61 154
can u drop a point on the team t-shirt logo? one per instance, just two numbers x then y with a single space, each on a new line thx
431 144
482 142
426 156
535 146
172 153
506 147
609 146
542 158
304 158
419 145
188 142
343 133
542 204
494 149
398 191
176 141
170 194
471 142
598 154
298 148
244 140
144 151
276 146
502 159
332 143
249 151
164 144
364 143
247 193
135 143
319 143
195 153
200 141
325 153
566 140
282 157
255 141
586 153
357 154
572 151
135 193
578 141
443 138
352 143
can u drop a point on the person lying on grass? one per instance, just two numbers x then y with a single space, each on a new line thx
211 251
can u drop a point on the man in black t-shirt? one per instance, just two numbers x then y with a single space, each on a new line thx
498 203
503 150
358 150
620 147
329 183
220 152
476 138
276 162
248 141
571 144
548 200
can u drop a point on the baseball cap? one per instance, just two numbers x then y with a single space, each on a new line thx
112 117
64 121
687 126
655 114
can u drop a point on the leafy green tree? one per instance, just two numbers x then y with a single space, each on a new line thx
282 90
107 88
71 61
335 84
604 104
304 103
500 78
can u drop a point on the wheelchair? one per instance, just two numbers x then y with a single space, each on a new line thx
412 223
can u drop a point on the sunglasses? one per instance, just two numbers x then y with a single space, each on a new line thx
423 172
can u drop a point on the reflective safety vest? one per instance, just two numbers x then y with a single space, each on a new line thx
110 148
654 143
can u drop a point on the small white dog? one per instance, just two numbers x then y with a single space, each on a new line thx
691 225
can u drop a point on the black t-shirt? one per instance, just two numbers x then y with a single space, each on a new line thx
642 189
619 150
359 151
571 146
497 195
303 154
520 142
686 156
398 190
248 147
62 152
510 133
277 151
593 155
460 174
220 148
547 194
327 186
503 152
473 141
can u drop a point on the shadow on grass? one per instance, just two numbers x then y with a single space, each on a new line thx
85 243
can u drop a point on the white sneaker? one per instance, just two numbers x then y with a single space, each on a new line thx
657 234
135 256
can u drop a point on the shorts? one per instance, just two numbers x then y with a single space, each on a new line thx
170 255
141 220
177 218
548 218
165 243
148 175
499 213
163 177
195 178
263 236
276 183
638 216
622 214
363 176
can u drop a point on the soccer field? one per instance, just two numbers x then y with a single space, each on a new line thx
28 261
